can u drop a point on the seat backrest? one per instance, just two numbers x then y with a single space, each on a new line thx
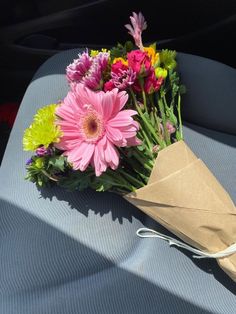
210 100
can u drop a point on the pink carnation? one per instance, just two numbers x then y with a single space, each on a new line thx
152 84
118 66
139 62
93 125
108 86
122 77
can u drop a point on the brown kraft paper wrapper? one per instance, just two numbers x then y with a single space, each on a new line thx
185 197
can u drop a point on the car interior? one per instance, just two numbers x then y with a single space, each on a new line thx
77 252
32 31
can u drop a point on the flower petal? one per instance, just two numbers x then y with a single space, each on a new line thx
81 155
116 136
99 162
121 100
122 118
111 155
108 103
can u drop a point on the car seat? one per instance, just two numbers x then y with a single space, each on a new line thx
77 252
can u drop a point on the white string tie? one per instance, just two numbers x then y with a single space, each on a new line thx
149 233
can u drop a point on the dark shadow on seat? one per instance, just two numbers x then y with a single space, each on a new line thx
91 200
44 270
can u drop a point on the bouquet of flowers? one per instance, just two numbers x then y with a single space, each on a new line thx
119 129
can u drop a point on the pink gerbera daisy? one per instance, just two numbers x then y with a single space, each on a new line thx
93 125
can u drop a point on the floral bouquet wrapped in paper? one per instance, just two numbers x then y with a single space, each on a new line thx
119 129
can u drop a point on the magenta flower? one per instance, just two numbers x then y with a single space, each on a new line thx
93 125
152 84
122 77
139 62
77 70
108 86
43 151
88 70
102 59
138 25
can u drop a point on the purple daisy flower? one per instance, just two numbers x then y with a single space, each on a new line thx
78 69
123 79
88 70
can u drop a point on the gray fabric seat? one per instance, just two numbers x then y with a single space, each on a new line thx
64 252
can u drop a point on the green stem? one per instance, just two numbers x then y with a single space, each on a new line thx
149 127
144 100
149 144
163 116
142 161
152 101
143 95
132 165
165 102
132 179
179 116
155 113
117 180
53 178
150 160
150 130
145 178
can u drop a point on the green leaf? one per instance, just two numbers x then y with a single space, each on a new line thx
129 46
58 163
182 89
171 116
76 180
121 50
178 135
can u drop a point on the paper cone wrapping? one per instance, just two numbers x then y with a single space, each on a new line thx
185 197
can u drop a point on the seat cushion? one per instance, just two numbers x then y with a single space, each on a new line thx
77 252
211 92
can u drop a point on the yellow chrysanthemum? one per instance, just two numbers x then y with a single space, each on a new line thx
167 58
43 130
123 61
155 57
161 72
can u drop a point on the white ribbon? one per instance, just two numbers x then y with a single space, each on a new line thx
149 233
